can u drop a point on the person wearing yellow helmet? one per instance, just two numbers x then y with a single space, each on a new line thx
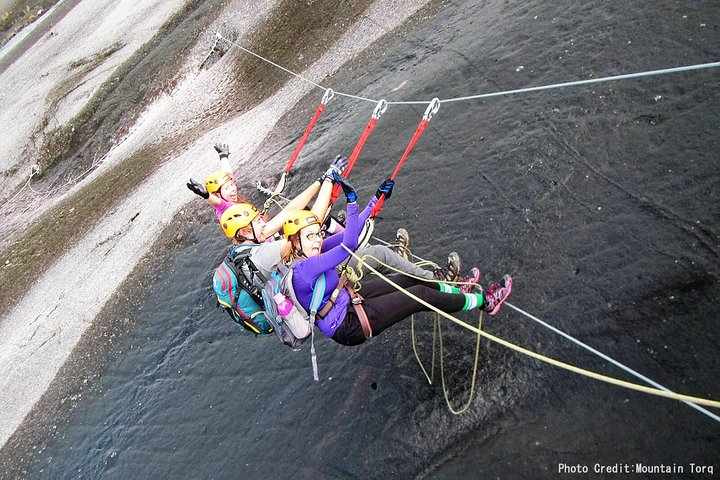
246 227
237 217
347 317
220 189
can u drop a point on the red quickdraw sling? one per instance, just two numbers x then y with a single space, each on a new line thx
429 112
377 113
327 96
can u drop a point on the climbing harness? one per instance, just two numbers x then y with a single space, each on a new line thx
325 99
356 301
369 225
431 110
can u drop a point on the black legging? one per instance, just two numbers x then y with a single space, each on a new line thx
385 306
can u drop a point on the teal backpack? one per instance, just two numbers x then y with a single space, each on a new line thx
238 285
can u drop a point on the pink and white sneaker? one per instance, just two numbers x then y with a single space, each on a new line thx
470 281
496 295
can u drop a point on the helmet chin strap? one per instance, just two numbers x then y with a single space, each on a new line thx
252 227
299 250
242 238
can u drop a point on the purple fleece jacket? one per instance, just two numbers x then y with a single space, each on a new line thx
306 271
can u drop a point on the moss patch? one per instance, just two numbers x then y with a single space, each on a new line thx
118 102
295 35
21 14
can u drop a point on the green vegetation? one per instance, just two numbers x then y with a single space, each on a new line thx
21 14
295 35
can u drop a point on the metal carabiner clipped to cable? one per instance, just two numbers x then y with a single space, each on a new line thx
432 108
379 109
329 94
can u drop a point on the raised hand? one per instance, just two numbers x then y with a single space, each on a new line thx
347 189
385 188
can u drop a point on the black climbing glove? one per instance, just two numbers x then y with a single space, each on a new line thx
385 188
198 188
222 149
347 189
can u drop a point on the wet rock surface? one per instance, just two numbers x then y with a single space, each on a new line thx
594 198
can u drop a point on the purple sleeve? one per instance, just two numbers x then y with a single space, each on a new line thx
334 240
368 210
312 267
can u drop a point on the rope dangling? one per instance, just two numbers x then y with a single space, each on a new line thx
438 339
380 108
431 110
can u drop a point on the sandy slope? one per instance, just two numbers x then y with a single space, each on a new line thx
39 333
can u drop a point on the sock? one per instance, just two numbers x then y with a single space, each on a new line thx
473 300
445 288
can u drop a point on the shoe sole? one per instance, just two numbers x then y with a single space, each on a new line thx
455 274
508 286
403 238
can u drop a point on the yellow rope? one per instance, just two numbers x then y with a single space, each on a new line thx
437 335
543 358
354 276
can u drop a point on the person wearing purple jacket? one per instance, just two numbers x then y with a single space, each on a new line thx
347 317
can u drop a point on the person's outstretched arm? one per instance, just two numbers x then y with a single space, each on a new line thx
298 203
322 202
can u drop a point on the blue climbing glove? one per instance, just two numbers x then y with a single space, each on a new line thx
198 188
347 189
338 165
385 189
222 149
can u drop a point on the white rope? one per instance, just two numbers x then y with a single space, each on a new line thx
651 73
611 360
305 79
613 78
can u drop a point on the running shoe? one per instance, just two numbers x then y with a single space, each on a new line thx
496 294
469 281
402 238
451 272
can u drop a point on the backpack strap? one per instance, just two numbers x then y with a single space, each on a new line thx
317 296
236 259
318 293
239 316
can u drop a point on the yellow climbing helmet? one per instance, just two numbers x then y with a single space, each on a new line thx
216 180
236 217
299 220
